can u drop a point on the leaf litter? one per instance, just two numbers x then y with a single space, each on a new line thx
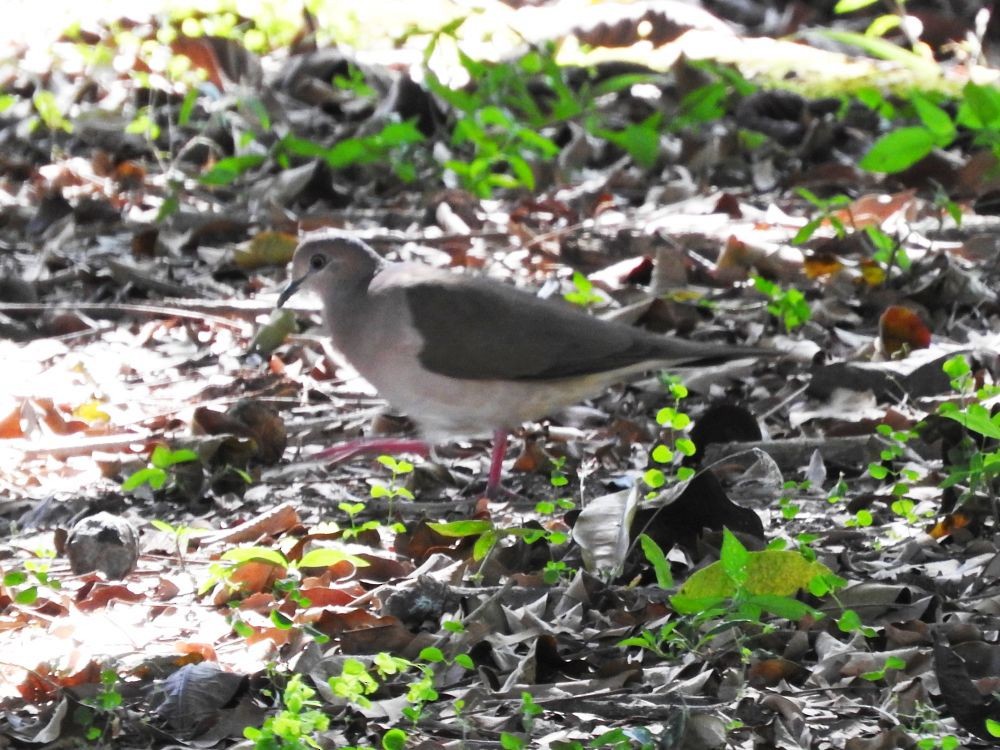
139 261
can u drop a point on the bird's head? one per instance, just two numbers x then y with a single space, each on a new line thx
329 260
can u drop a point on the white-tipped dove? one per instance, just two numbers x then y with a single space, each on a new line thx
461 355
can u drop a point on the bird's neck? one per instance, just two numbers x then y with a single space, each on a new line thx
348 304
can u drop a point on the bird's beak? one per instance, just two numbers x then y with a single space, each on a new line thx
292 288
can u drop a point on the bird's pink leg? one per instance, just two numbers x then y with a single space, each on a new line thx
368 446
496 463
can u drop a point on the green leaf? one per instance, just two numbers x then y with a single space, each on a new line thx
394 739
187 106
152 476
885 50
689 605
241 555
399 134
993 727
432 654
661 566
774 572
849 6
977 418
462 528
898 150
662 454
733 557
935 119
229 169
15 578
302 147
26 596
956 367
281 620
522 171
783 606
641 141
882 25
47 107
980 107
538 143
654 478
324 557
347 152
163 458
484 544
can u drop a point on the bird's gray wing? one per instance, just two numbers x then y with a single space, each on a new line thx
477 329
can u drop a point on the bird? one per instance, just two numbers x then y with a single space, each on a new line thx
463 355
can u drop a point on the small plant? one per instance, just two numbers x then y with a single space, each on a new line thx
862 519
285 588
789 508
393 490
49 113
161 460
529 711
787 305
850 622
97 714
827 211
583 293
971 464
657 558
354 82
555 571
670 640
180 535
18 583
558 479
748 584
677 422
296 725
891 662
889 252
885 470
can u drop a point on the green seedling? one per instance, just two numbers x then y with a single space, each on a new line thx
971 463
850 622
892 662
676 423
49 114
354 82
23 585
827 211
889 252
393 490
894 448
559 480
286 588
180 534
656 557
583 293
788 507
787 305
489 535
161 460
97 714
296 725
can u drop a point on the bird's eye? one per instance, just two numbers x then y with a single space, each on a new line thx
317 262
